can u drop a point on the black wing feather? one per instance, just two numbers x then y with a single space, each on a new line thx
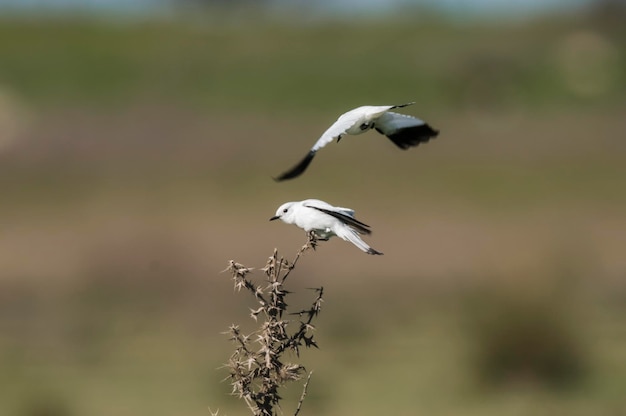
298 169
352 222
411 136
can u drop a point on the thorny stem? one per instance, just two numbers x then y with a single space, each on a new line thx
305 326
257 373
304 388
310 244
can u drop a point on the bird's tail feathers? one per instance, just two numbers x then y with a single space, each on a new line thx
352 236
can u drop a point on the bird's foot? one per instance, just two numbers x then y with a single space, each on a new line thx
312 239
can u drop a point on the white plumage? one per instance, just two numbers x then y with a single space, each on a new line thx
325 221
403 130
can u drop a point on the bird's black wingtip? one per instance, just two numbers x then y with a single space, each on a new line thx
374 252
413 136
298 169
404 105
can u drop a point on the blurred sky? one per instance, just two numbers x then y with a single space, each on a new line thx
331 7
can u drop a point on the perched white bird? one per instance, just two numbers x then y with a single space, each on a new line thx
404 131
325 221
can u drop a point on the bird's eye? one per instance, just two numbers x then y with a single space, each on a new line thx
285 210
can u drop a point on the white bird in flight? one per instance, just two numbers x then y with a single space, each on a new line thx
325 220
403 130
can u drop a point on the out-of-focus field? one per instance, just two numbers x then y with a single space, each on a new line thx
136 160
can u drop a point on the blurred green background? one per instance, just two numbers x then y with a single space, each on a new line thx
136 157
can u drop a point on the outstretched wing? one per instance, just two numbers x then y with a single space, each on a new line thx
403 130
335 131
297 170
345 218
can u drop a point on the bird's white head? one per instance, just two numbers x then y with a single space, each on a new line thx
285 213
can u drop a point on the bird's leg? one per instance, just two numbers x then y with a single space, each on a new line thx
322 237
365 126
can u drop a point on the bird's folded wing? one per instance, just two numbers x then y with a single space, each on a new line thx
346 219
346 211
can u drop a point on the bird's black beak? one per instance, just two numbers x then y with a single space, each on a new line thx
275 217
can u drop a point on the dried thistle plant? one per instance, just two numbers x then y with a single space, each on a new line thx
257 366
